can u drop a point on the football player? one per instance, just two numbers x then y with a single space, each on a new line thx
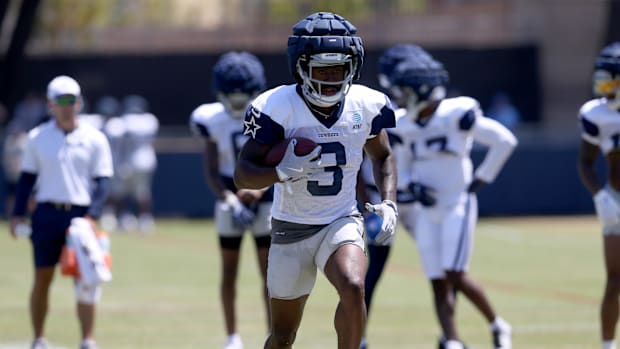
436 134
600 131
316 222
139 162
367 190
238 77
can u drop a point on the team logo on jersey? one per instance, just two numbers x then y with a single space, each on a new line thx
357 121
251 127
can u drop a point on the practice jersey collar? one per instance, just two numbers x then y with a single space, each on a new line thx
326 121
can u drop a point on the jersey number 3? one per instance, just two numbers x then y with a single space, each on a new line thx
337 149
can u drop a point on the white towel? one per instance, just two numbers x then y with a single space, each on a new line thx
89 255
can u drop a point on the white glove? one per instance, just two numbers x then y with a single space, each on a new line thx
294 168
607 209
242 216
389 213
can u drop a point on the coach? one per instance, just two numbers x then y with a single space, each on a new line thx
71 164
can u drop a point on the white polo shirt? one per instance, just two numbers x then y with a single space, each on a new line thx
66 163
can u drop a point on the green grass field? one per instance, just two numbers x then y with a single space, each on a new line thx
544 275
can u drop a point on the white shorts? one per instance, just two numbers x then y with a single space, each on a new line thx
612 229
291 268
226 228
137 185
87 294
445 237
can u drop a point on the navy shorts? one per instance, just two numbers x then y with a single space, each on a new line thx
49 230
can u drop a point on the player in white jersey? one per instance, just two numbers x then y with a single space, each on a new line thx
132 136
437 134
600 131
367 191
238 77
71 163
316 223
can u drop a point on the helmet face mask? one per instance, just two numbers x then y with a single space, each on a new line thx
418 82
238 77
605 83
235 103
320 92
389 60
324 40
421 97
606 77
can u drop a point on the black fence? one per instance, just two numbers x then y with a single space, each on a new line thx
175 84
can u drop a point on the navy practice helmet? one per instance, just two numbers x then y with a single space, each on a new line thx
320 40
135 104
394 55
108 106
237 78
606 80
421 80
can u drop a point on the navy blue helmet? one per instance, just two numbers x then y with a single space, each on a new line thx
321 40
108 106
420 80
135 104
606 80
394 55
237 78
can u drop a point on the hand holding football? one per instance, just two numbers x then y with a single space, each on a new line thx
304 146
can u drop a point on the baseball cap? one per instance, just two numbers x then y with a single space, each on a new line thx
63 85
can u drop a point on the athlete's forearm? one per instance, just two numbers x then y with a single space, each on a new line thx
251 176
385 177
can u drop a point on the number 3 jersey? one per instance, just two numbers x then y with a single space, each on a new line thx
281 113
437 153
600 125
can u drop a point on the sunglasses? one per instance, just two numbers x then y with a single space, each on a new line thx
66 100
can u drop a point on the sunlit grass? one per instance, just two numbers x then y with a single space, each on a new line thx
544 275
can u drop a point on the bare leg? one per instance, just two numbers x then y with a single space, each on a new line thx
285 320
228 289
262 255
86 315
609 304
346 269
474 292
39 299
445 307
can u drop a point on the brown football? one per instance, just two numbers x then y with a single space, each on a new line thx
304 146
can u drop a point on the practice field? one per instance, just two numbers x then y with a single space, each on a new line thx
544 275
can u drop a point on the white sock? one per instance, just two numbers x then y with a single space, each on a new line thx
363 343
452 344
500 323
87 342
611 344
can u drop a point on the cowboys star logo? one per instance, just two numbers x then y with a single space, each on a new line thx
251 127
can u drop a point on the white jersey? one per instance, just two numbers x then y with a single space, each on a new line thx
600 125
66 163
281 113
140 132
213 122
95 120
438 152
114 129
401 147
